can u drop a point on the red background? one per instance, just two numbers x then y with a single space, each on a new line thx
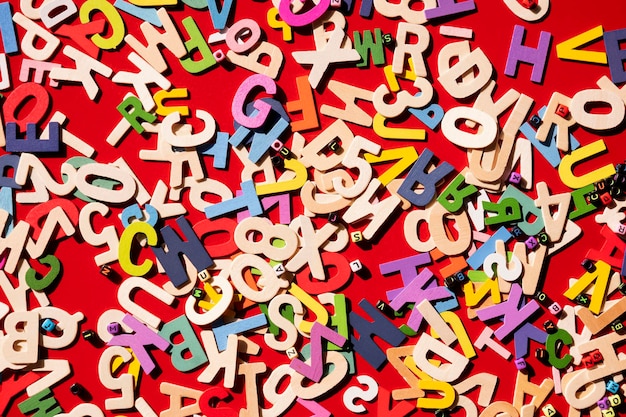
83 288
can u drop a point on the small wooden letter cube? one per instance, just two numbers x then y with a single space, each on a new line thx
198 293
106 270
549 327
588 265
603 403
279 269
582 299
356 236
608 412
450 283
204 275
277 145
535 121
89 334
617 326
114 328
615 400
543 238
562 110
292 353
515 178
520 364
600 186
548 410
334 145
616 192
543 298
531 243
278 162
612 386
517 232
76 389
555 308
460 277
219 55
285 152
356 265
606 198
48 325
385 309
